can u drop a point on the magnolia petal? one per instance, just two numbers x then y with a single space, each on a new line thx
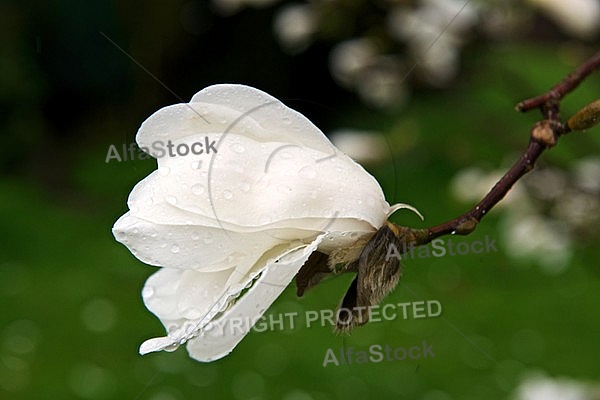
277 122
207 249
401 206
175 295
263 162
148 203
228 330
276 185
185 301
191 246
209 302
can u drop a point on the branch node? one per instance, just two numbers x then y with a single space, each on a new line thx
543 132
467 226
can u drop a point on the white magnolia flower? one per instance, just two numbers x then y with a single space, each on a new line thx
232 224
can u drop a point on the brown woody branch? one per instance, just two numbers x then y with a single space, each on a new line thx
543 135
561 89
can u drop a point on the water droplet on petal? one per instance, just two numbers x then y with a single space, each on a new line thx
245 186
120 235
284 189
195 236
208 237
197 189
175 249
237 148
147 292
171 199
227 194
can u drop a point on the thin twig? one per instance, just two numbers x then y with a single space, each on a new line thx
543 135
568 84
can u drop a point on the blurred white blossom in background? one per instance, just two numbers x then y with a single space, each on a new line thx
228 7
380 49
357 65
294 25
540 387
544 214
419 28
361 146
580 18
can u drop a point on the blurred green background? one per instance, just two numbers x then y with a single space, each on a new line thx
71 313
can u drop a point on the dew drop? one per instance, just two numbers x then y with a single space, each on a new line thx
245 186
286 120
195 236
208 237
197 189
227 194
120 235
147 292
175 249
237 148
284 189
171 199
